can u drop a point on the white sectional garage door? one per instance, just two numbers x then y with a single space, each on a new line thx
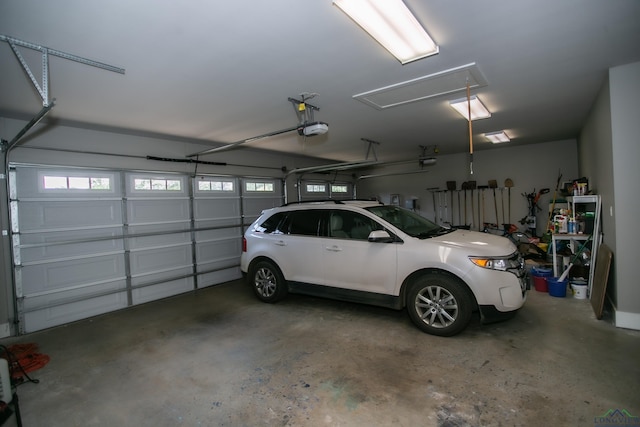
87 242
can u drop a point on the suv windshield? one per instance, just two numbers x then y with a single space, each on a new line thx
409 222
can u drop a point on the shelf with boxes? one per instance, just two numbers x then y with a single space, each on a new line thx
582 239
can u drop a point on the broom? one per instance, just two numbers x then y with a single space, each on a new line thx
574 258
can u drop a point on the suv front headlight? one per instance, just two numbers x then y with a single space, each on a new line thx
493 263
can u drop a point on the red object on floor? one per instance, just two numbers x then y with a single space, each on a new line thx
24 358
540 283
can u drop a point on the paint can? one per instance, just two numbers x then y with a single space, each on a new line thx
579 288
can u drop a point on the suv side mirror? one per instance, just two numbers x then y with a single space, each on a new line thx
380 236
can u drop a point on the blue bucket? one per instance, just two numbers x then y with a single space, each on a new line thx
541 272
557 288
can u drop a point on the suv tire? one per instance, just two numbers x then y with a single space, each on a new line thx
439 304
267 281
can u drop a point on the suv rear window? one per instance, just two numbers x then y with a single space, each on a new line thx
303 222
270 225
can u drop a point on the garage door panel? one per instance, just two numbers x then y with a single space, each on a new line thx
253 206
61 314
131 238
219 249
217 277
219 234
72 236
152 211
45 251
72 294
170 238
160 259
62 274
161 290
35 216
216 209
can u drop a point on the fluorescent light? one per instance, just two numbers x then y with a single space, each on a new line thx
497 137
392 25
478 110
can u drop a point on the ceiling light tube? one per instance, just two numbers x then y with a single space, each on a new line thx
497 137
393 25
478 110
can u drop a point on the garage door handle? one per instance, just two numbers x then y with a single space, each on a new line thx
334 248
280 243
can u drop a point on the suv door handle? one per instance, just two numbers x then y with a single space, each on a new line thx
334 248
280 243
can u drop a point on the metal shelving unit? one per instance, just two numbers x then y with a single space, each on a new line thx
586 205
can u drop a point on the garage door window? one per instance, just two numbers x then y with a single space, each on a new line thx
53 182
145 184
215 185
316 188
339 188
258 187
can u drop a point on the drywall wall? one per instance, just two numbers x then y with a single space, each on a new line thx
595 153
625 91
531 167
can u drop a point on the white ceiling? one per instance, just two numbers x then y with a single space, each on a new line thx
221 72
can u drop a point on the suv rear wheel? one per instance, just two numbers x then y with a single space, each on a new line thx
267 281
439 305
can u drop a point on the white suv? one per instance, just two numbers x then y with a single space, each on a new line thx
364 251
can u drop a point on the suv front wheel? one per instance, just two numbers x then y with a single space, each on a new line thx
439 305
267 281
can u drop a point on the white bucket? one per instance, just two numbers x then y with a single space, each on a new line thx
579 290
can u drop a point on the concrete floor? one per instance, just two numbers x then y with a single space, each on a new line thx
218 357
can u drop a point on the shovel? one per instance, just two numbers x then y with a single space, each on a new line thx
502 202
433 191
471 185
451 186
509 183
493 184
465 187
481 226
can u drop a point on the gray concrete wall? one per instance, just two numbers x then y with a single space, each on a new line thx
531 167
609 149
625 93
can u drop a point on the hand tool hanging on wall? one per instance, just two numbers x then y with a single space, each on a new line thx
482 222
509 183
445 208
464 186
433 191
555 193
493 184
451 186
459 208
504 225
442 206
472 186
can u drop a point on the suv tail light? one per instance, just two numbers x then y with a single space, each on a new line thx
244 244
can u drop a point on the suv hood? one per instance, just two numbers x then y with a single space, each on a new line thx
477 243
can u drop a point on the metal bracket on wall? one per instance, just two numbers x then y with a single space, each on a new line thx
44 89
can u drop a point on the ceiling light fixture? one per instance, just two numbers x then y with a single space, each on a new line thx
478 110
497 137
393 25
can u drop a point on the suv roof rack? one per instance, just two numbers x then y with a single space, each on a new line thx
336 201
299 202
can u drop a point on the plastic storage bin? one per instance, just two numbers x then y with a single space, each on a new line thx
557 287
